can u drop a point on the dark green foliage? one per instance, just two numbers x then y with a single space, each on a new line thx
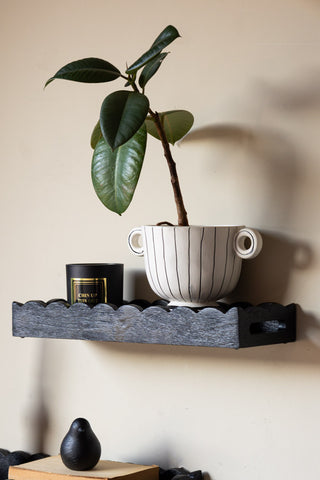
119 137
87 70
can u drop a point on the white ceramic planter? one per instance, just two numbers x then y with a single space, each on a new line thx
194 266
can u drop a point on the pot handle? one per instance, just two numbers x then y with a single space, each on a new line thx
247 243
133 241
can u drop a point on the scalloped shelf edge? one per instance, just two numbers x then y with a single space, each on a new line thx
227 326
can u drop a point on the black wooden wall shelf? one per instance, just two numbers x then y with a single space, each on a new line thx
228 326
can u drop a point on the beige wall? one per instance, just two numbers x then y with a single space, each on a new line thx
250 72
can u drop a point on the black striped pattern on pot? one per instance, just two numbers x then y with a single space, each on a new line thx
192 264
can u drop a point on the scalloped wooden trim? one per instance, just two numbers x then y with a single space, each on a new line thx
231 326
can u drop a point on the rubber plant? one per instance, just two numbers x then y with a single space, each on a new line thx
120 136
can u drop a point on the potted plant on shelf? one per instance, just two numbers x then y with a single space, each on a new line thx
188 265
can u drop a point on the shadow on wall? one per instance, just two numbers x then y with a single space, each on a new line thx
38 413
301 92
137 286
267 277
271 165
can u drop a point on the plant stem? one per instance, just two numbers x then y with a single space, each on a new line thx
182 214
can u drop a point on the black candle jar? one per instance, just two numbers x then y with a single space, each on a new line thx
93 283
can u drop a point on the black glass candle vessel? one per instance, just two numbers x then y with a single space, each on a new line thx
93 283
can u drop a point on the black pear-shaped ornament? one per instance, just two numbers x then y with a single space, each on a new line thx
80 449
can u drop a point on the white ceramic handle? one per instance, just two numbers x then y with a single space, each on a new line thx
133 241
247 243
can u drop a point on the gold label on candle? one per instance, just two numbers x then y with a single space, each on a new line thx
89 290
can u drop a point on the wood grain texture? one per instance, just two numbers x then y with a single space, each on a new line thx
52 468
208 327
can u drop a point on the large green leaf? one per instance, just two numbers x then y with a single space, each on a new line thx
87 70
168 35
115 173
176 124
122 114
151 68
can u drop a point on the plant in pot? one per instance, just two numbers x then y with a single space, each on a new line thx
187 265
